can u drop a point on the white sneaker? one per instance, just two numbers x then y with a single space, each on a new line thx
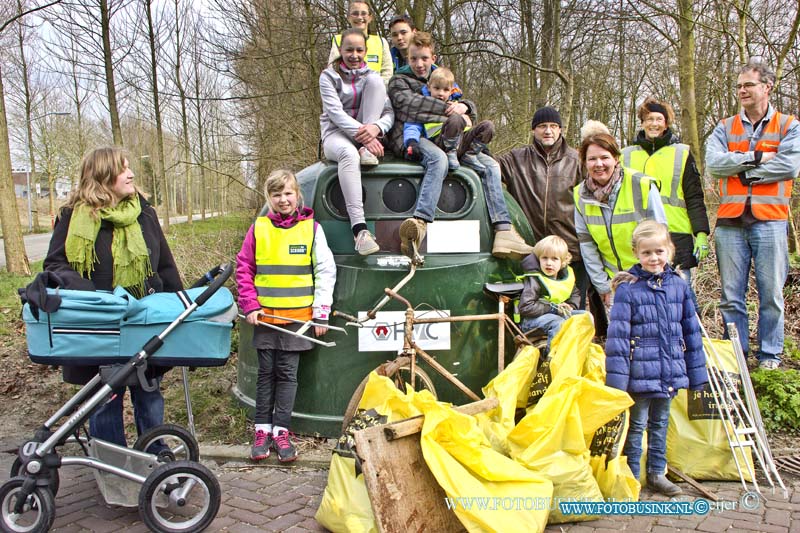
368 159
366 243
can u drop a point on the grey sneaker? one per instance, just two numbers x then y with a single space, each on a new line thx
261 445
471 160
660 483
769 364
368 159
284 447
452 160
366 243
412 230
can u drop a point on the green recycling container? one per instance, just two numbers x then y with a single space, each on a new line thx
458 262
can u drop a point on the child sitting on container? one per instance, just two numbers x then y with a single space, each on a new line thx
549 295
284 269
456 136
654 347
410 105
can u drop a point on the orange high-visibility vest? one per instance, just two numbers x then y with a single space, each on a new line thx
768 201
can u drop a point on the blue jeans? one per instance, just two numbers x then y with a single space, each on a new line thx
652 414
434 161
765 243
549 323
148 411
493 189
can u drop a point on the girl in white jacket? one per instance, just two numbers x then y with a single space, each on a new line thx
356 113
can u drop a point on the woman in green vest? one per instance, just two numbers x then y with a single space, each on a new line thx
379 56
658 152
609 204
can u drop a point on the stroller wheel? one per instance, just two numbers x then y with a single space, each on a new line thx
36 514
169 442
179 496
53 481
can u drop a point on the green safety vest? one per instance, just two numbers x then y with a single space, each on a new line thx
374 60
667 165
557 290
630 208
284 273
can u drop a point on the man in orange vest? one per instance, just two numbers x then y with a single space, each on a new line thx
755 157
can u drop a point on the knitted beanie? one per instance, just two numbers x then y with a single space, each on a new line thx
546 114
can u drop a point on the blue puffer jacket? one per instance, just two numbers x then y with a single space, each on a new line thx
654 345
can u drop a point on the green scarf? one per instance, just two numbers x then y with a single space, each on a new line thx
128 250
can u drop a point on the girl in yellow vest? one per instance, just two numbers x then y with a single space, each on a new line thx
550 295
379 56
284 268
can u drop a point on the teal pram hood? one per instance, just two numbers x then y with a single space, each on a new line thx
95 327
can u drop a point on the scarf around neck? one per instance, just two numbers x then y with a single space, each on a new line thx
602 192
131 260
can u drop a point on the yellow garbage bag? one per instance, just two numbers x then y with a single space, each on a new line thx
568 352
552 438
609 467
510 387
345 505
697 443
486 490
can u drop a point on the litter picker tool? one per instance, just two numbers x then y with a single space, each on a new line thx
744 428
306 324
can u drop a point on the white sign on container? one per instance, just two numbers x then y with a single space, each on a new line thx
385 332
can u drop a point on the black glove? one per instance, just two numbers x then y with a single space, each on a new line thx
744 179
412 152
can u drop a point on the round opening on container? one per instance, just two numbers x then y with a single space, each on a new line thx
454 196
399 195
336 199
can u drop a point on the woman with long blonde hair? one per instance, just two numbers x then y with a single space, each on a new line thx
107 235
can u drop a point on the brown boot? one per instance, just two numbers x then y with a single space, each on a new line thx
509 244
412 230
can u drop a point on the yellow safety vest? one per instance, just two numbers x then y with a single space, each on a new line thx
373 59
284 277
558 290
666 165
630 208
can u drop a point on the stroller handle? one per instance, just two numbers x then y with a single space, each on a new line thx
217 276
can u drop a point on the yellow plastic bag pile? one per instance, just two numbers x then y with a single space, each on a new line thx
477 480
345 503
697 443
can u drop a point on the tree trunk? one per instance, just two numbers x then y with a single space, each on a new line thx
161 165
187 169
105 24
686 63
16 258
200 140
34 214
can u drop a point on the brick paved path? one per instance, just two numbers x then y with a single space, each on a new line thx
275 498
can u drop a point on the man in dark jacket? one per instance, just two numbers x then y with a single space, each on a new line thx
540 177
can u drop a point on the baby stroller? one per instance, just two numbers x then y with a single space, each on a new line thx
161 474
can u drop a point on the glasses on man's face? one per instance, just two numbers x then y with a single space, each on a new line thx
359 14
747 85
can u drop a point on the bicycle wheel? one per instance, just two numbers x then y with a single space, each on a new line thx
399 371
38 511
169 442
179 496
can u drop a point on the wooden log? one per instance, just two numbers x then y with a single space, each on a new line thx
402 490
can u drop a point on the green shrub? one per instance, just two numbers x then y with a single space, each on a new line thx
778 394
